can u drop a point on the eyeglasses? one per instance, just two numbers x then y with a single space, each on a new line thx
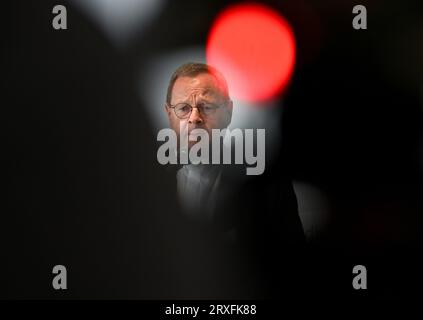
183 110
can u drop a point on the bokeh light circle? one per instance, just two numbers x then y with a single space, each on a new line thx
254 47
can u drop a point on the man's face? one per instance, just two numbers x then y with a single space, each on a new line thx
200 90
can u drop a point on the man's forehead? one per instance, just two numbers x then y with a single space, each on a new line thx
203 84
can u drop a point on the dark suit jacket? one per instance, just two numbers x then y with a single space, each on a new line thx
256 229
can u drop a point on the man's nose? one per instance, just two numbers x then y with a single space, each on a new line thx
195 116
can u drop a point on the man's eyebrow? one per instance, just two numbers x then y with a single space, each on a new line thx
200 100
206 94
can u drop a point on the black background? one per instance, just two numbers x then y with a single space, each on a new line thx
83 188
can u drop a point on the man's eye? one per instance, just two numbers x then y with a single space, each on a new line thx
208 107
184 108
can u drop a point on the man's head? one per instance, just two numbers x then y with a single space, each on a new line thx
197 98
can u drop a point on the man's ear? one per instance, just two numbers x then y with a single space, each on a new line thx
168 110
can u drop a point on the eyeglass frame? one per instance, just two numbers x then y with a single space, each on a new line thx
192 107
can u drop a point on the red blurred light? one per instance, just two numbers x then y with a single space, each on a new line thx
254 47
